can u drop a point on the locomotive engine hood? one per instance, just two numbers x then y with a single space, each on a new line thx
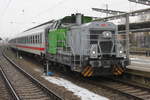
96 39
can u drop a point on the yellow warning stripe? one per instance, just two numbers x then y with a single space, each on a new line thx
85 70
90 74
121 69
117 70
88 71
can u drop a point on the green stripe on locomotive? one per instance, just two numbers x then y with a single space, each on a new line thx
56 39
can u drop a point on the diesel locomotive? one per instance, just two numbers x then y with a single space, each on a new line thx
92 48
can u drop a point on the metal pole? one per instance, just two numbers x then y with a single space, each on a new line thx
107 10
127 33
17 54
47 67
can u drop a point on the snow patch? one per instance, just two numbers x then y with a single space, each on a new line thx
83 93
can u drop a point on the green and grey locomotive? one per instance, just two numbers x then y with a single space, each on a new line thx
92 48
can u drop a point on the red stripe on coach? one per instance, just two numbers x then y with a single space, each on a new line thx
29 47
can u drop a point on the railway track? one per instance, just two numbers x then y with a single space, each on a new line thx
134 91
25 86
6 91
127 89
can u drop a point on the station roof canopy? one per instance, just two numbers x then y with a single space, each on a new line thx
113 12
136 27
133 13
144 2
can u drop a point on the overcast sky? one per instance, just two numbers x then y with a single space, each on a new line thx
19 15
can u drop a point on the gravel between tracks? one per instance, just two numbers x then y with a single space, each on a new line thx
35 69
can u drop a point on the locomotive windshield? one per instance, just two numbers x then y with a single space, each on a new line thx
95 35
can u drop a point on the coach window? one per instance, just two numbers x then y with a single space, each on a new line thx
35 39
31 39
22 40
38 38
25 40
41 38
28 39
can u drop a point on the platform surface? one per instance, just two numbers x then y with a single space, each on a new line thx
141 63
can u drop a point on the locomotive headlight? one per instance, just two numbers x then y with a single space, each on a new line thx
94 52
107 34
121 51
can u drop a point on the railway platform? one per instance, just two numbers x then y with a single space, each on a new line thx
140 63
139 70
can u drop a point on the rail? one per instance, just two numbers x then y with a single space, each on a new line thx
126 88
53 95
9 85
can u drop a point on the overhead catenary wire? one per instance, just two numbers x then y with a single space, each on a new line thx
53 7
